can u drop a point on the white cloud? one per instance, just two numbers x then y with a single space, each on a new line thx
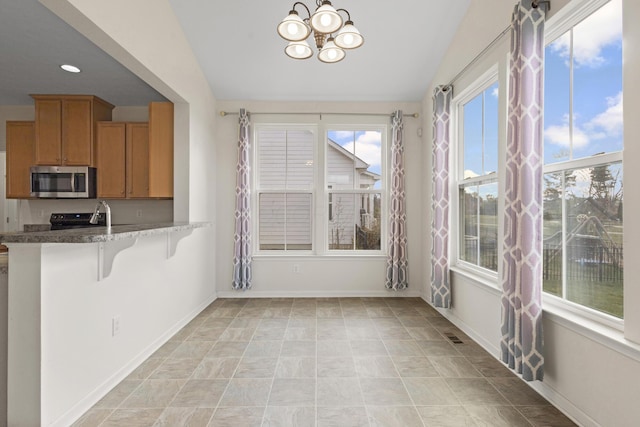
368 147
495 92
602 28
609 120
559 135
603 125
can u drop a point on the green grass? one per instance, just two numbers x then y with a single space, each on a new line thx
604 296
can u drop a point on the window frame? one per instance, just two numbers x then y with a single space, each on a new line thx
489 77
385 175
320 191
563 21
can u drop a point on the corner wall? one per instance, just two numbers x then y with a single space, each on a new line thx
591 374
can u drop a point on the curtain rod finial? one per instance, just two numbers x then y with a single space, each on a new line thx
223 113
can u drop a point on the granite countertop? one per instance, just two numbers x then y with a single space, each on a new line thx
98 234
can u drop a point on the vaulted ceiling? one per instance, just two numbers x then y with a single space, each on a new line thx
237 46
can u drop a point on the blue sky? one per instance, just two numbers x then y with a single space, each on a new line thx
597 87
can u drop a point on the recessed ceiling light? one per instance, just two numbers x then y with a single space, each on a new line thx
70 68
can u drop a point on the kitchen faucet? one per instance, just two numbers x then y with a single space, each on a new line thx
107 211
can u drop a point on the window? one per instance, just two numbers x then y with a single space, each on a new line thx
354 189
285 188
332 203
477 178
583 191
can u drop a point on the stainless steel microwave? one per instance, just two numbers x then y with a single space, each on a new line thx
63 182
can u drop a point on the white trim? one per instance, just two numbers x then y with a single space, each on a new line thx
563 404
584 162
569 16
488 78
383 293
319 191
480 276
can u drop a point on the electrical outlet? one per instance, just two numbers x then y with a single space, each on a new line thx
296 268
115 326
139 213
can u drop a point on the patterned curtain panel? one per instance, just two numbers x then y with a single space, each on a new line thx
522 345
397 261
440 288
242 238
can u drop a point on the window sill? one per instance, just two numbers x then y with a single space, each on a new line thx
478 277
608 335
319 257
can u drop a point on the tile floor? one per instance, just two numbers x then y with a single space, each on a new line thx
321 362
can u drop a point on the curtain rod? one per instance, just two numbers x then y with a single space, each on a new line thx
230 113
535 4
478 56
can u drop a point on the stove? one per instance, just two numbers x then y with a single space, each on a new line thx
66 221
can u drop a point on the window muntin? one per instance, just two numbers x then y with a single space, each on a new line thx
478 180
582 235
354 181
285 184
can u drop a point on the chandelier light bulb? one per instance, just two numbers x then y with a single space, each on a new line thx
325 20
292 29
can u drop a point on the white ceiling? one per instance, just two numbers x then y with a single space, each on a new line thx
34 42
243 56
239 50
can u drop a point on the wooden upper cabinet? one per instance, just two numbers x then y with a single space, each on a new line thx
20 154
137 160
161 149
111 152
48 130
65 128
123 160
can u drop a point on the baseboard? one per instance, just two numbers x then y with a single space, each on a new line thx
318 294
556 399
563 405
73 414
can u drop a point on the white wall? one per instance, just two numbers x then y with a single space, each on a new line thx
317 276
592 376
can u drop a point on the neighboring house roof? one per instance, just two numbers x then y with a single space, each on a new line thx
361 165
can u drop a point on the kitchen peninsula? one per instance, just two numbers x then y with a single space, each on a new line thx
87 306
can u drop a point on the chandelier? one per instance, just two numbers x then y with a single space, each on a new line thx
324 22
